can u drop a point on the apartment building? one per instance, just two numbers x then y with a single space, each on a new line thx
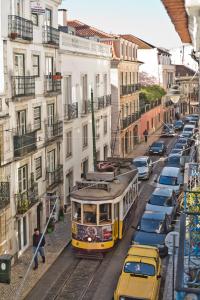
85 69
124 86
30 120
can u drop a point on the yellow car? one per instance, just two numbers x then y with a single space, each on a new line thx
140 278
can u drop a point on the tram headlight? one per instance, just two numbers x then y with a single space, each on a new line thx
89 239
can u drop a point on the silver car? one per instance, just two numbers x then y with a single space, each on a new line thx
144 166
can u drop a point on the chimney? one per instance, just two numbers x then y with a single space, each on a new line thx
62 17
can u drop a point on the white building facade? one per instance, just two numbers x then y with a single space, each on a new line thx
85 67
30 120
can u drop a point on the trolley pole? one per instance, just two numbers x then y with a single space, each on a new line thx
93 132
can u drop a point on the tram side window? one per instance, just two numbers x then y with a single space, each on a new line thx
105 213
89 214
77 211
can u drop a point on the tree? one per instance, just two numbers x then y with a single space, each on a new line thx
146 79
151 93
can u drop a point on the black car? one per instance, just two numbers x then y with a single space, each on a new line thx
178 125
151 239
154 222
158 147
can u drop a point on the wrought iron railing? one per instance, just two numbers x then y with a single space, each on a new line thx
148 106
86 107
4 194
51 35
23 86
52 84
54 130
71 111
100 102
55 177
25 200
127 121
129 89
108 100
25 143
20 28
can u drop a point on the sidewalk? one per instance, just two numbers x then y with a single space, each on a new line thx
55 243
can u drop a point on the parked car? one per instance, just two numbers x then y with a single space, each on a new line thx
181 147
178 125
189 129
144 166
164 197
195 117
168 130
176 151
151 239
158 147
168 210
188 136
175 160
155 221
183 140
172 178
141 274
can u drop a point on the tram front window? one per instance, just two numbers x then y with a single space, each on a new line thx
89 214
105 213
76 211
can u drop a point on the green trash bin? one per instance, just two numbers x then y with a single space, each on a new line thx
5 268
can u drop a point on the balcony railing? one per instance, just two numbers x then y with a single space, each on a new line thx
129 89
23 86
55 177
20 28
86 107
23 144
127 121
52 84
54 130
25 200
4 194
71 111
108 100
51 35
100 102
148 106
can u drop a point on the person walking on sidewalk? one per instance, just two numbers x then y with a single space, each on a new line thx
36 239
145 133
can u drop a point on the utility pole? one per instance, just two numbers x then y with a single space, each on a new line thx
93 132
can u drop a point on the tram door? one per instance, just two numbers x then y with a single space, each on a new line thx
116 217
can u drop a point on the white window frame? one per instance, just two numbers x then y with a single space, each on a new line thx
23 179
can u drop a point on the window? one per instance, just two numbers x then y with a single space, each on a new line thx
37 117
105 213
51 161
50 114
105 125
89 214
36 65
76 211
105 84
21 122
3 228
48 17
23 179
98 155
105 152
69 144
85 166
85 136
38 168
97 85
68 90
84 87
151 122
97 128
35 19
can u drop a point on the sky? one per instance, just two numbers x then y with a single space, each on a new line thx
146 19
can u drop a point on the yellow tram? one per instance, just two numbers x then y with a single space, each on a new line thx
101 210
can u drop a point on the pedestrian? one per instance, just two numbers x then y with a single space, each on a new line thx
36 239
145 133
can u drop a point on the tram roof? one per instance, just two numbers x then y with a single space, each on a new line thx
117 187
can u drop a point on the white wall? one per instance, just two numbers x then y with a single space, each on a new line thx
182 56
150 62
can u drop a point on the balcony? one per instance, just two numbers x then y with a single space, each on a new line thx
129 89
24 144
100 102
55 177
71 111
127 121
20 28
148 106
86 107
55 130
23 86
25 200
51 36
52 84
4 194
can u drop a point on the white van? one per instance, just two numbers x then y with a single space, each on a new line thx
172 178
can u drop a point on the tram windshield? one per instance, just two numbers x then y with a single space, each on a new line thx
89 214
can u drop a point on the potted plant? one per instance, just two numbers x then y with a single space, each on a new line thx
61 214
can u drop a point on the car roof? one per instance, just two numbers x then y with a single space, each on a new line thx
158 142
140 158
154 215
170 171
149 238
174 155
188 126
167 209
163 192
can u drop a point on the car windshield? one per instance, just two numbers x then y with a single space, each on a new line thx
139 268
140 163
168 180
187 129
174 151
157 145
158 200
178 146
178 123
182 141
173 160
150 225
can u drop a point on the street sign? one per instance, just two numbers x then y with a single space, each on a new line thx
171 237
37 8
